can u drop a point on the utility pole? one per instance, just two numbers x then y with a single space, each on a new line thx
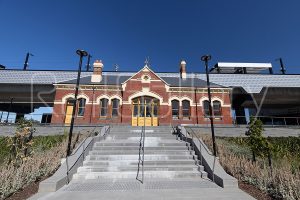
283 70
26 60
9 109
88 63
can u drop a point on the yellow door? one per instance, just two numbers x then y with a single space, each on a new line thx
135 114
144 112
69 111
154 115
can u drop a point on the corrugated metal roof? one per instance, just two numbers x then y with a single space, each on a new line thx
252 83
38 77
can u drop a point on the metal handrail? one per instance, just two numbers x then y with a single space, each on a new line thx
191 132
141 151
84 147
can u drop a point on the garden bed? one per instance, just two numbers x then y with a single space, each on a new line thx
21 181
281 181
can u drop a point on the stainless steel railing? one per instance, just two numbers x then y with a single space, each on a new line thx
84 146
141 154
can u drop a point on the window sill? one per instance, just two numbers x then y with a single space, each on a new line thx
215 118
186 118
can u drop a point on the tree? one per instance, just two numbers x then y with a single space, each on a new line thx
259 145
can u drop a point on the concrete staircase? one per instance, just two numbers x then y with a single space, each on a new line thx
166 157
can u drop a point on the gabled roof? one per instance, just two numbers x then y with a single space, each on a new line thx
146 67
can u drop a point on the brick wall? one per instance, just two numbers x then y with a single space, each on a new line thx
134 85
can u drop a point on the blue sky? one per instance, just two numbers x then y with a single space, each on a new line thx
125 32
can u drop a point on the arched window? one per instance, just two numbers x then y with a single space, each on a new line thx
217 108
175 109
206 108
186 109
103 107
81 106
115 107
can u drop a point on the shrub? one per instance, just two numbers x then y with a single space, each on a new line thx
20 144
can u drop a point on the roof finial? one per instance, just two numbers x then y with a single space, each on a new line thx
116 67
147 61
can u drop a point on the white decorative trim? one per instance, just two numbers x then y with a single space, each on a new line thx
187 98
103 96
71 95
217 99
180 99
146 80
145 69
174 98
124 86
212 100
116 97
145 93
202 99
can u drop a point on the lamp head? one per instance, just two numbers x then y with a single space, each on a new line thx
206 57
81 53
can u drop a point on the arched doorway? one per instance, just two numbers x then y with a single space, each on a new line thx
145 111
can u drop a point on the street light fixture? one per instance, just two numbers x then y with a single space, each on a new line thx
206 58
81 54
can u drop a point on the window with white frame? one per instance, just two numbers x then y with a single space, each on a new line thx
81 106
175 109
217 108
103 107
206 108
115 107
186 108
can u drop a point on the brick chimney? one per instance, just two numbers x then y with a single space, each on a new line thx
97 73
183 69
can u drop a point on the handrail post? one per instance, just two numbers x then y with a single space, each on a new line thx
284 121
68 180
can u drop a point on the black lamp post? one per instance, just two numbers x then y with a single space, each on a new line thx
206 58
82 54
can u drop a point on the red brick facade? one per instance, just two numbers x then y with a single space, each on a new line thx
139 85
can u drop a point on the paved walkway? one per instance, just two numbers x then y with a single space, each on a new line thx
154 189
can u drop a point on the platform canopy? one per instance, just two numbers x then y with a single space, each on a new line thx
241 68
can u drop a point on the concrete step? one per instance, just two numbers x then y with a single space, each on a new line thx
140 131
132 137
134 152
135 168
137 140
121 148
139 134
135 162
147 174
136 144
156 157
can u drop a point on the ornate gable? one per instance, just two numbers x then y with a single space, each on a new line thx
145 75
